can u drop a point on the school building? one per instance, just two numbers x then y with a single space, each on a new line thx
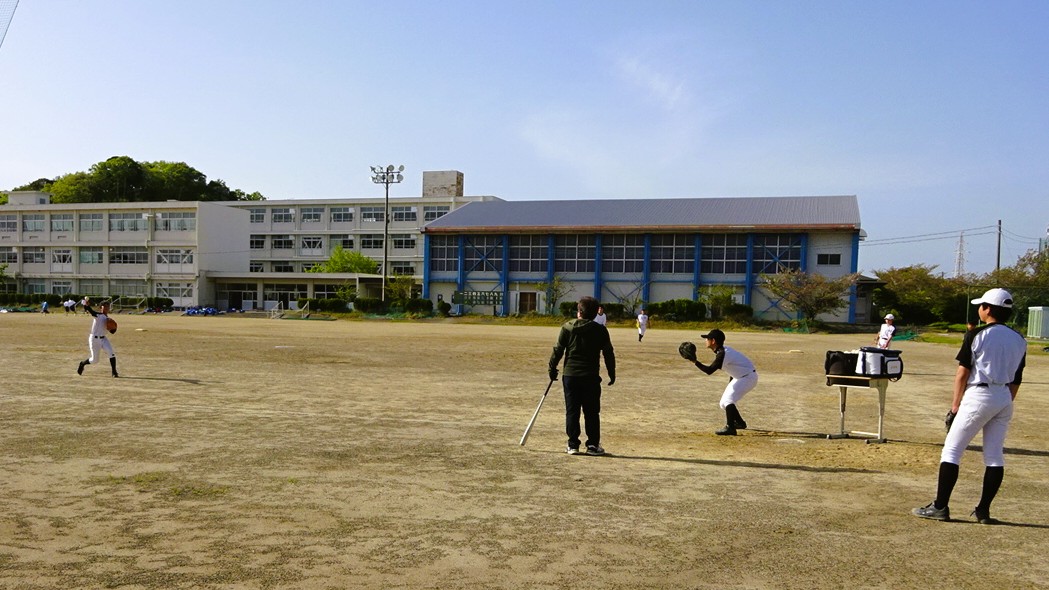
482 253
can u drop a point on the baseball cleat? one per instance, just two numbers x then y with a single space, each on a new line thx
594 450
80 369
572 451
983 516
931 512
740 424
726 431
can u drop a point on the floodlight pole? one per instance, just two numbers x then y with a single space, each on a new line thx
386 175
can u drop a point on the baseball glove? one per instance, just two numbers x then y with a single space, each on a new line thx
687 350
949 419
111 325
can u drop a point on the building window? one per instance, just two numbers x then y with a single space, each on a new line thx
174 256
257 215
774 253
35 286
127 288
175 290
373 214
484 253
623 253
672 253
402 213
62 222
63 256
128 255
724 254
282 292
282 242
312 214
308 266
828 259
33 222
8 223
371 242
256 267
61 287
257 242
341 214
344 240
33 256
402 268
92 287
311 246
91 255
8 255
283 215
326 290
528 253
283 266
574 253
127 222
176 221
90 222
444 253
435 211
403 241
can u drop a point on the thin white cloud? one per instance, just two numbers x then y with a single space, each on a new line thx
669 91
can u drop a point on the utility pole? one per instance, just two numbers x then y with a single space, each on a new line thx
386 175
998 261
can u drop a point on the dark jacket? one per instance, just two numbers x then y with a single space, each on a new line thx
581 343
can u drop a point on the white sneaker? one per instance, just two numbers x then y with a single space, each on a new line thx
572 451
594 450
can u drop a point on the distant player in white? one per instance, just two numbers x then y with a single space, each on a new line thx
97 338
601 318
642 324
887 331
990 368
743 378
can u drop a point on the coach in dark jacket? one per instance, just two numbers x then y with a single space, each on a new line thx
581 342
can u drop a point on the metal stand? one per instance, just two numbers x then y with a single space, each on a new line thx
843 383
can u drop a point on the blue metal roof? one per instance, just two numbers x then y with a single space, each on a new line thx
722 214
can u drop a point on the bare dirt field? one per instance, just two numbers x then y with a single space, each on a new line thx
256 453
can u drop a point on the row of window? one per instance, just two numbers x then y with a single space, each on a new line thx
315 244
625 253
96 222
117 287
95 255
396 268
274 291
345 214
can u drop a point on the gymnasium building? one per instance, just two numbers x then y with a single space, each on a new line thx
481 253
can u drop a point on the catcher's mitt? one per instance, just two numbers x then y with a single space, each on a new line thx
949 419
111 325
687 350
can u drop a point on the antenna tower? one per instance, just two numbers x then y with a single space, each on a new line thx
959 261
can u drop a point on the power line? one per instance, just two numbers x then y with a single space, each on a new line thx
946 234
927 238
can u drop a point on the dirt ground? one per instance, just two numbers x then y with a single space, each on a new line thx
257 453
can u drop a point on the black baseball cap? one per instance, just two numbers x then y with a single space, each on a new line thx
715 335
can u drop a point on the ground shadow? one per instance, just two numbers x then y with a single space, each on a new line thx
749 464
190 381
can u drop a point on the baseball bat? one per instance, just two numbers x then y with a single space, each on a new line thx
531 422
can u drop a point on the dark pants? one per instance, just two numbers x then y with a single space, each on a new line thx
583 393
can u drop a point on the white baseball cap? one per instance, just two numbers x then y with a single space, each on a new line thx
889 316
999 297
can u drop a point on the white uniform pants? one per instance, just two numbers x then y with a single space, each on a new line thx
987 408
737 388
93 344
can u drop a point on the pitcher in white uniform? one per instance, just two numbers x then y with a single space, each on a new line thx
743 378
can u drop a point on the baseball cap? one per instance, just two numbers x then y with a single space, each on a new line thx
889 316
716 335
999 297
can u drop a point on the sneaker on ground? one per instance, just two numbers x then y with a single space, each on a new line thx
983 516
80 369
572 451
726 431
594 450
740 424
931 512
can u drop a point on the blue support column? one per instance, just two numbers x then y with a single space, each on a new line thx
598 286
697 260
551 250
504 275
748 283
426 266
804 252
460 280
853 269
646 271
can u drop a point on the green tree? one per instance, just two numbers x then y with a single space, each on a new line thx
717 298
174 181
919 296
400 289
556 290
347 261
119 179
809 294
78 187
39 184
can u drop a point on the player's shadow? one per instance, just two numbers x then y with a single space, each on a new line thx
190 381
979 449
749 464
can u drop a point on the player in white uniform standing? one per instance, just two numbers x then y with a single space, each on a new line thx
990 368
887 331
744 377
97 338
642 324
601 318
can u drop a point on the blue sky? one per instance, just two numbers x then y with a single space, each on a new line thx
935 114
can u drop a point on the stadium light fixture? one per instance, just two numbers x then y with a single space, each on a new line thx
386 175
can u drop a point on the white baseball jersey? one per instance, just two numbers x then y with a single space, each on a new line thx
885 334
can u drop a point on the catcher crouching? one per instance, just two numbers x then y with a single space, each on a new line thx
743 376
